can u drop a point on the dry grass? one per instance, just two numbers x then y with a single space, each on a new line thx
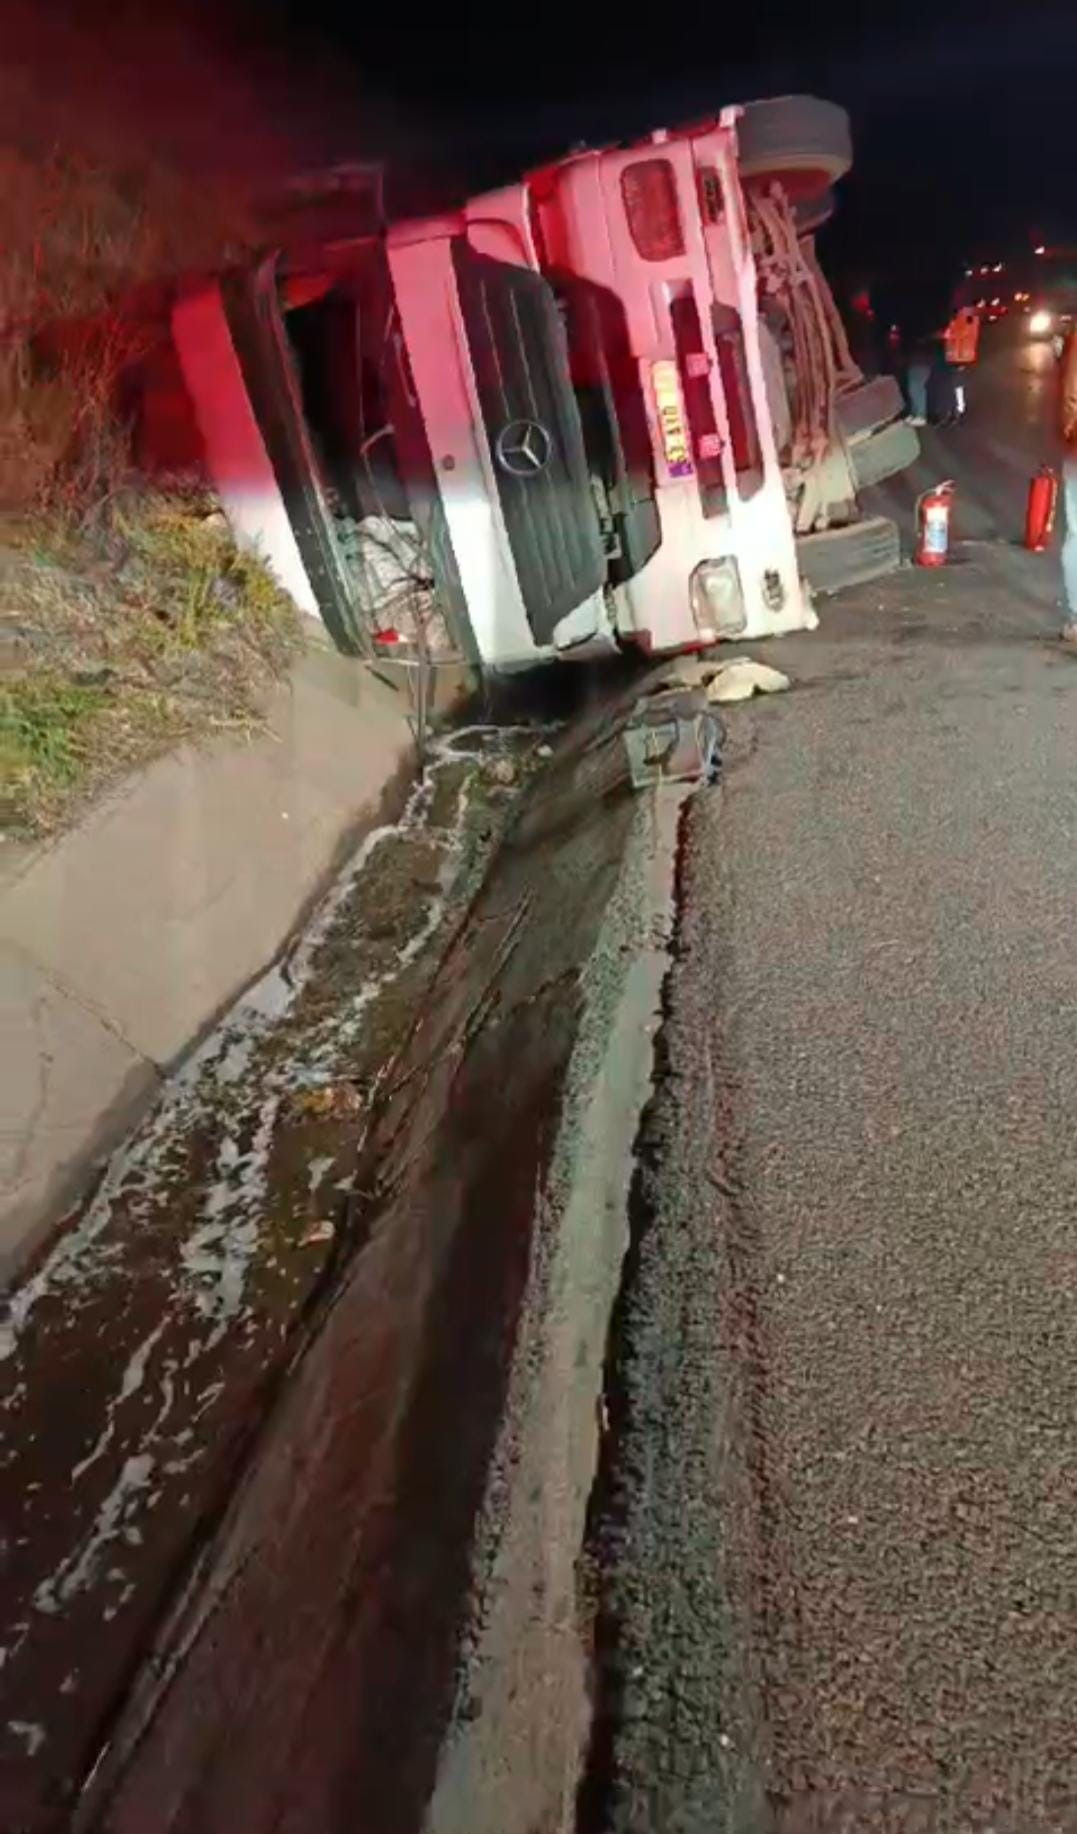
120 643
77 237
128 620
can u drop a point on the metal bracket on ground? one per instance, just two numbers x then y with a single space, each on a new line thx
673 736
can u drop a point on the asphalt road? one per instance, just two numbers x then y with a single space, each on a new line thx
839 1544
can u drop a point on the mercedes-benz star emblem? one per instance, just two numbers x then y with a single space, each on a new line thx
524 448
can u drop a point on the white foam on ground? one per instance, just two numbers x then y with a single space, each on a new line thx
216 1255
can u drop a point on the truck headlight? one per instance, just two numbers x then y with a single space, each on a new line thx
717 599
1040 324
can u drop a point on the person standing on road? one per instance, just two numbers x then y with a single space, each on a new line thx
945 396
929 381
962 337
918 373
961 343
1068 428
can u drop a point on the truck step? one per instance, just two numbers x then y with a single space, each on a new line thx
849 556
873 404
884 454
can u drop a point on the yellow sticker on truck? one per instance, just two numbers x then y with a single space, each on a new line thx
667 399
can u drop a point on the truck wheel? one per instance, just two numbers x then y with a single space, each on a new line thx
870 406
884 454
847 557
795 135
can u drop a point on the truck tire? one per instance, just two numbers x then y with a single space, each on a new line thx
847 557
872 405
882 455
795 135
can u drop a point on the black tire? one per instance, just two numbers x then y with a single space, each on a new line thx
872 405
799 134
847 557
884 454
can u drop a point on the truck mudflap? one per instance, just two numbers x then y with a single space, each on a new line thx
861 410
884 453
850 556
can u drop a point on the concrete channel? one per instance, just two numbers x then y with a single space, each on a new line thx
393 1625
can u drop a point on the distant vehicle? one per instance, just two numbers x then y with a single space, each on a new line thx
1038 290
1051 322
1053 302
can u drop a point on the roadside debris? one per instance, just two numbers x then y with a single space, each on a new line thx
671 736
743 677
316 1234
724 682
328 1102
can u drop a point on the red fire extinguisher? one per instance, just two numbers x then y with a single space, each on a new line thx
1042 503
933 525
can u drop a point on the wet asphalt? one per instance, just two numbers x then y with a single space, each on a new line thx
841 1547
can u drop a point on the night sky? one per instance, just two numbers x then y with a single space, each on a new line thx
964 116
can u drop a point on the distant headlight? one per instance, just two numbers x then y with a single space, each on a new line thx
1040 324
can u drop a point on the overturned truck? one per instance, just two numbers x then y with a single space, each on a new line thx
609 404
544 414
